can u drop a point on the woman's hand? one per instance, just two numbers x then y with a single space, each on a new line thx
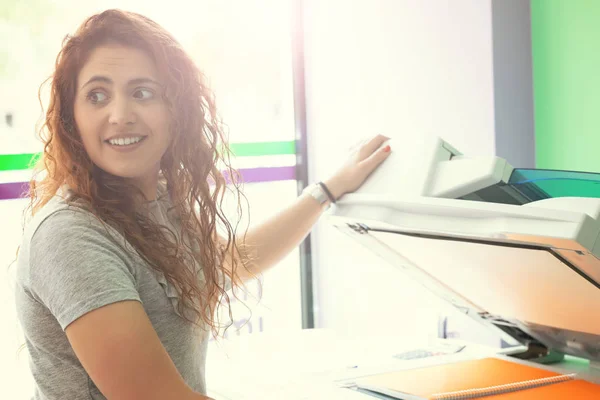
365 158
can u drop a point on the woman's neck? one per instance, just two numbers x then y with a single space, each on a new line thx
148 185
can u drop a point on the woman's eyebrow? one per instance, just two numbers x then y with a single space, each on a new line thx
98 78
137 81
107 80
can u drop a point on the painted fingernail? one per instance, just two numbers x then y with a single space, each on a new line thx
387 148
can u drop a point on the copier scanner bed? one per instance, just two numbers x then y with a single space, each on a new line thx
528 269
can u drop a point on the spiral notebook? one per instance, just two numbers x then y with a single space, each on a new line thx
489 377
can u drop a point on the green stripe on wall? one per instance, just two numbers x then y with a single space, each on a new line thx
566 63
10 162
263 148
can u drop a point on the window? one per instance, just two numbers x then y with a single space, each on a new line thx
244 50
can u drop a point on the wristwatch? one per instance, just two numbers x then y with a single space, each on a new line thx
316 191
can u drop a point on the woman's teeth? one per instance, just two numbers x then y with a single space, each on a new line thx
125 141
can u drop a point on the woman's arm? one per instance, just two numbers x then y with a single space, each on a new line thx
269 242
123 355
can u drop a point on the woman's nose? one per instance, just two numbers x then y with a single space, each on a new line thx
121 112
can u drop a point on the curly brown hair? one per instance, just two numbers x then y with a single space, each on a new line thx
190 168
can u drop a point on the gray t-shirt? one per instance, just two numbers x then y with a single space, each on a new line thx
69 265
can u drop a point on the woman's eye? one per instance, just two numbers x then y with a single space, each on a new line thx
97 97
143 94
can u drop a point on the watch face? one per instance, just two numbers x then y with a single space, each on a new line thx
317 193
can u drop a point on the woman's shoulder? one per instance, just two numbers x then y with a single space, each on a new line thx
60 218
57 228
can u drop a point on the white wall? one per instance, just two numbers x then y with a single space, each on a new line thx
404 68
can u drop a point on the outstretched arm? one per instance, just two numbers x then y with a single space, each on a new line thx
268 243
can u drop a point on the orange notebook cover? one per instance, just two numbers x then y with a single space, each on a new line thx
575 389
470 376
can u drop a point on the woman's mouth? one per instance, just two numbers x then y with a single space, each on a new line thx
125 141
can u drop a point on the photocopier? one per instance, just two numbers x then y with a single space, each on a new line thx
515 249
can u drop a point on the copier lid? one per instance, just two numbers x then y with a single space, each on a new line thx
432 167
532 267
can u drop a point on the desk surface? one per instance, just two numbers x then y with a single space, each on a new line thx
313 364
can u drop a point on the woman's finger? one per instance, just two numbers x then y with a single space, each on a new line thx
372 161
357 146
373 144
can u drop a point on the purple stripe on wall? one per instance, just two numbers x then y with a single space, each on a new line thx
15 190
267 174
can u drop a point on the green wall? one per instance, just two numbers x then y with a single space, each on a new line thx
566 80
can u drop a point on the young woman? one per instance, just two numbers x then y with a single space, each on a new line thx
127 253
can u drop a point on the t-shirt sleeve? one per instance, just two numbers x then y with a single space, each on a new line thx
76 267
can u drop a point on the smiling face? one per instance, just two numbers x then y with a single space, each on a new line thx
121 115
